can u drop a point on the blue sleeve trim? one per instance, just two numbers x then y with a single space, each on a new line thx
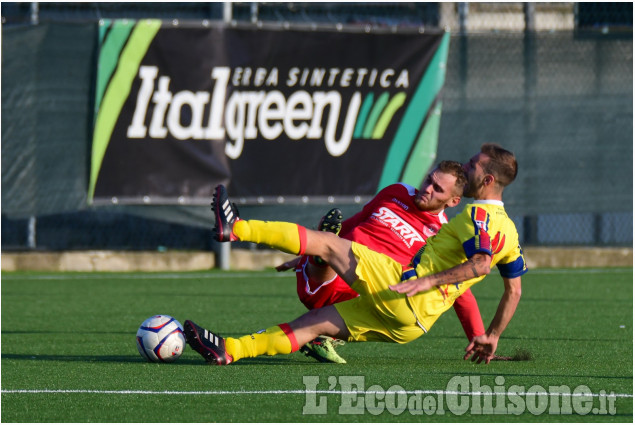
470 248
514 269
408 274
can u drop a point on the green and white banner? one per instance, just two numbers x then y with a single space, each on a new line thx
273 114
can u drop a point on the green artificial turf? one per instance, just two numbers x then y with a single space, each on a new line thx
69 354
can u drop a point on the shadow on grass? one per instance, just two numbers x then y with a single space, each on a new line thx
74 332
87 358
281 361
528 340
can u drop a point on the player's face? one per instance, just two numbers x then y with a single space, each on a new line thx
474 172
436 192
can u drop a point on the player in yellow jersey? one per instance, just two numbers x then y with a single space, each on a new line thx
396 304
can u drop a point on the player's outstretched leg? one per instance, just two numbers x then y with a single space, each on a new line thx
226 215
206 343
322 348
286 237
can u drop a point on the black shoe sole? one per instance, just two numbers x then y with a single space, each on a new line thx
332 221
222 231
193 339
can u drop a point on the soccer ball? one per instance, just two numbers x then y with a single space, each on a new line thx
160 339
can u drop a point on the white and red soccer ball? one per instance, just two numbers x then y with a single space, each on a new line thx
160 339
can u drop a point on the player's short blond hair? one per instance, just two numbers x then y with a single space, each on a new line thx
455 169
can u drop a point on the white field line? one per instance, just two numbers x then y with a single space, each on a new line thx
285 392
238 275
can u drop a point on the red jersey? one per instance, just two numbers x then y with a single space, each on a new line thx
392 224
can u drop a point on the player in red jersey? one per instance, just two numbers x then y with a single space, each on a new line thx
396 222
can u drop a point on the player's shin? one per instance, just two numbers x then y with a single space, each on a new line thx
287 237
275 340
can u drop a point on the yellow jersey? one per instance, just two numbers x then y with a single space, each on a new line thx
483 226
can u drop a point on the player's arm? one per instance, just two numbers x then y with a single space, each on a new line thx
475 266
484 346
466 309
288 265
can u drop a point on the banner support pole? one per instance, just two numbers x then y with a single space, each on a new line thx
227 12
223 250
222 257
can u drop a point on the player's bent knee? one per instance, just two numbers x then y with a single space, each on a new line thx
336 246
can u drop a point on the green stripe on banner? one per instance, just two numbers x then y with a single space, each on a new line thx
393 106
363 115
118 91
104 24
374 115
425 151
109 55
406 134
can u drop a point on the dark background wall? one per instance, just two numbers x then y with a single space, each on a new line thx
561 100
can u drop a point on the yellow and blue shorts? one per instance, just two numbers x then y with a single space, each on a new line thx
378 314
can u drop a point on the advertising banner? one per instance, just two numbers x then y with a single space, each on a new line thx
276 115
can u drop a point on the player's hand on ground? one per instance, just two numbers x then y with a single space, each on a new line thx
412 287
481 348
292 264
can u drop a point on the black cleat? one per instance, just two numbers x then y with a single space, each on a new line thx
225 213
331 222
206 343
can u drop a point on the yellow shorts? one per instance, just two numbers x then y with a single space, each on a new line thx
378 314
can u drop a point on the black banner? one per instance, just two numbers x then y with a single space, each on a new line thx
275 115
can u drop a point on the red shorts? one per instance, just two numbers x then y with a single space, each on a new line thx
319 294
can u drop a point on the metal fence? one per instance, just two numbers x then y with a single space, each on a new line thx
457 17
553 81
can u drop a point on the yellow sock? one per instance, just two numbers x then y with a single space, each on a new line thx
275 340
287 237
